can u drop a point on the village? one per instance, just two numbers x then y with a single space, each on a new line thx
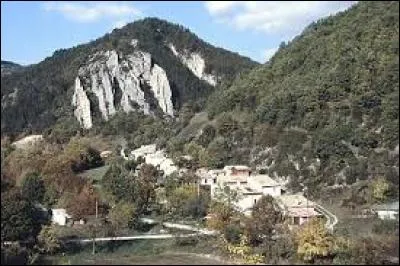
249 185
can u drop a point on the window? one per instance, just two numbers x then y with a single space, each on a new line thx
255 201
205 181
296 220
215 180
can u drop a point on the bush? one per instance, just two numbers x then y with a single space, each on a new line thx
186 241
232 233
386 227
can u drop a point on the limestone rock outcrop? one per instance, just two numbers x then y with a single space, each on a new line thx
119 82
195 63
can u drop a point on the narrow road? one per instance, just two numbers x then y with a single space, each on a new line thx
331 218
124 238
147 236
181 226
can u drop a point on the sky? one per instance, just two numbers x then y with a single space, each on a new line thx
32 31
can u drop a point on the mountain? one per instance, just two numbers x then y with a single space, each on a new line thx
7 67
324 111
150 65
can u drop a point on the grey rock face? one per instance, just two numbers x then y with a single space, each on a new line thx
107 72
196 64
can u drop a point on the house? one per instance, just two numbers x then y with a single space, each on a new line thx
155 157
297 209
248 197
60 216
206 178
266 184
143 151
233 181
237 170
388 211
216 172
251 187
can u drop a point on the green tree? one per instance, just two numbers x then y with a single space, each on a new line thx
48 242
122 215
207 135
266 215
145 186
20 220
118 182
33 187
222 208
188 201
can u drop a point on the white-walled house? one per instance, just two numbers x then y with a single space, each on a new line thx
168 166
389 211
237 170
266 184
60 216
143 151
297 208
155 157
206 178
248 198
250 187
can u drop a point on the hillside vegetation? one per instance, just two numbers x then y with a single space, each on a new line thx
49 84
324 110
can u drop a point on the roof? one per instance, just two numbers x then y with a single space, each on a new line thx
248 191
294 201
145 149
302 212
263 180
233 178
393 206
237 167
216 171
61 212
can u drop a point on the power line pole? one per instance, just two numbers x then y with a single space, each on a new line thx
198 188
95 227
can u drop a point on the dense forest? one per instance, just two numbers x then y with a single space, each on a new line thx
323 111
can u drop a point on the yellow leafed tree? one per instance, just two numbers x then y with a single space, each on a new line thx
380 188
314 241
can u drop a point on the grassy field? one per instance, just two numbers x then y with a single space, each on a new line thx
138 252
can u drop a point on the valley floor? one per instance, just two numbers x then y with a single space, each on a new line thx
139 252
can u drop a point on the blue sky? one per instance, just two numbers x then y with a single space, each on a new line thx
32 31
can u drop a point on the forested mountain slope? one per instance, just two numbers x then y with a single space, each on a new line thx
324 110
150 65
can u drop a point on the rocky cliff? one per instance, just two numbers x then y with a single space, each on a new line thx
117 81
196 64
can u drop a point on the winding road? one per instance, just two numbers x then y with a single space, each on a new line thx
332 220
